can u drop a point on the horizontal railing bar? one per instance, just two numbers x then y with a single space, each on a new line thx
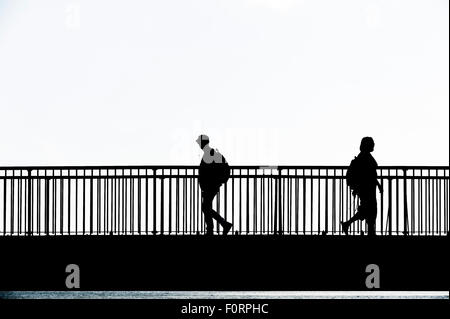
265 167
400 177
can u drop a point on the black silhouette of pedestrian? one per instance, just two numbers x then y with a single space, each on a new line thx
213 172
364 184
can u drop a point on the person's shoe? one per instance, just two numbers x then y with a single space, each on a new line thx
227 228
345 227
209 232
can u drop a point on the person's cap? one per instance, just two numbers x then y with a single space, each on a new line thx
203 138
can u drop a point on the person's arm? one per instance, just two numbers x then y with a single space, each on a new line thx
380 187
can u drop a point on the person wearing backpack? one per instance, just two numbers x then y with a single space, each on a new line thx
362 179
213 172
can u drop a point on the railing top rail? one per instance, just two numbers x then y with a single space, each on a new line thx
153 167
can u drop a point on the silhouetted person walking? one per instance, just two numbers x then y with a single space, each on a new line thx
363 181
213 172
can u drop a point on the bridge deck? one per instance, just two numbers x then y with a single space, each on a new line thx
224 263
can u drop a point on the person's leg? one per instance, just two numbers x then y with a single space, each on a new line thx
210 213
371 216
215 215
207 199
359 215
371 227
356 217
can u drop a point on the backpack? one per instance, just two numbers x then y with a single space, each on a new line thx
223 170
353 176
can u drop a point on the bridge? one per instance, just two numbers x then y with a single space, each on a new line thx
141 228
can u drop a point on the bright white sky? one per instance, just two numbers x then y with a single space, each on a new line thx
270 81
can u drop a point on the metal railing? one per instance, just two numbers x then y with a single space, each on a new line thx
145 200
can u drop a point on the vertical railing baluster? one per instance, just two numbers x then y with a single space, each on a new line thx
277 207
12 203
114 201
255 203
232 200
341 201
200 223
225 200
30 204
19 204
423 203
432 205
438 204
428 203
125 201
390 205
69 182
54 203
281 212
99 203
312 202
47 205
247 202
381 202
446 206
272 201
162 204
177 203
296 192
304 202
5 186
38 209
106 224
84 202
333 203
319 197
414 203
405 204
420 210
170 201
132 181
288 203
61 204
123 198
154 203
240 201
264 200
184 197
397 202
347 202
191 205
146 201
139 201
257 211
76 202
326 201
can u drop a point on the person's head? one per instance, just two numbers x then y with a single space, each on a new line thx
202 141
367 144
